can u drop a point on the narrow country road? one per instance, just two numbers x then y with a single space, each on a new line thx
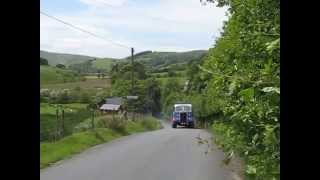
166 154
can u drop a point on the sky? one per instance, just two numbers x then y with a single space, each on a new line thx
156 25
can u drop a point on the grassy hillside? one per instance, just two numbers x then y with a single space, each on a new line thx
104 64
51 75
157 60
67 59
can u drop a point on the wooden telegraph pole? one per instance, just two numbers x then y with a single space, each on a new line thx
132 82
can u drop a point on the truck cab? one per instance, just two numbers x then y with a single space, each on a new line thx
182 116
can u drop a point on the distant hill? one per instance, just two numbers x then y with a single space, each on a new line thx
162 61
154 61
159 59
66 59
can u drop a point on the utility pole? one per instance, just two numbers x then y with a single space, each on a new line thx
132 73
132 82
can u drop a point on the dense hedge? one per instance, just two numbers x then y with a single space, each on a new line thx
237 86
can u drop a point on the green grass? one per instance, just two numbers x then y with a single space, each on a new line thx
48 122
51 75
104 64
52 152
78 142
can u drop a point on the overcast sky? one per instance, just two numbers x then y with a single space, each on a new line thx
157 25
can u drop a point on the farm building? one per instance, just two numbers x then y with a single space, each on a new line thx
112 105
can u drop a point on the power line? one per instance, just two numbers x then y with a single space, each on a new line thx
83 30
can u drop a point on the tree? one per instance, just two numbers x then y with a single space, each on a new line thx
43 61
171 73
153 96
61 66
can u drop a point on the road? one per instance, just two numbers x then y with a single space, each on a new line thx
166 154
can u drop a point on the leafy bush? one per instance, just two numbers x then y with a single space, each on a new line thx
61 66
116 125
150 123
43 61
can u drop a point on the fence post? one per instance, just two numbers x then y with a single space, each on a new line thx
92 119
57 124
113 114
63 129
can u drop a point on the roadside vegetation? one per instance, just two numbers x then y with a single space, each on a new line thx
74 114
235 88
85 137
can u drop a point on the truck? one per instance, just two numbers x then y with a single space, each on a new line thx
182 116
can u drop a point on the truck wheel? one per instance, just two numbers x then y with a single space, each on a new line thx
174 125
191 125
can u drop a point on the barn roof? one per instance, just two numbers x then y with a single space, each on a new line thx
110 107
114 100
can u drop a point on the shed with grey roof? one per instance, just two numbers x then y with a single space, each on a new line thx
112 104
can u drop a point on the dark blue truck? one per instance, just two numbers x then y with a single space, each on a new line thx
182 116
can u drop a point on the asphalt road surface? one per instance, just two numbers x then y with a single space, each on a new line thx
166 154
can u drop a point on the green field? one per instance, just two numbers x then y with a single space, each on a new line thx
104 64
51 75
90 83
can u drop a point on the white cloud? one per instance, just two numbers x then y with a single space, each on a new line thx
102 3
171 25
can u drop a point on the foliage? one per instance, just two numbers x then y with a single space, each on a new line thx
236 86
118 125
61 66
147 89
162 60
84 67
43 61
150 123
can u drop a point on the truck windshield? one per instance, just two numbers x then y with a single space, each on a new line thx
187 108
179 108
183 108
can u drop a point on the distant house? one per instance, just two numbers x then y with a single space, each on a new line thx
114 104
